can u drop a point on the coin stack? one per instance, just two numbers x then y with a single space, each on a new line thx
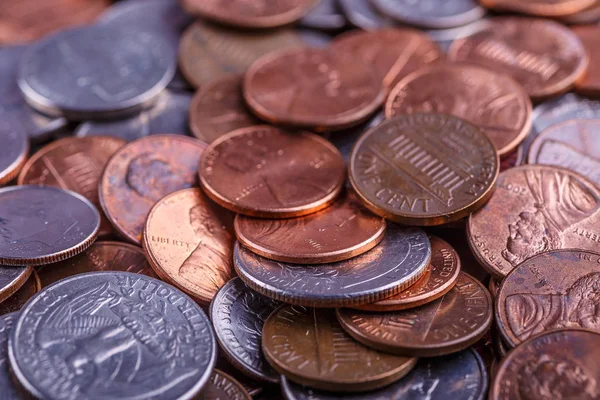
300 199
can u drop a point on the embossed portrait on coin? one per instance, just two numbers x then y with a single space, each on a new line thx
256 310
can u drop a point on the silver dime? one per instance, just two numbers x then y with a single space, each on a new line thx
8 390
11 279
112 335
324 16
435 14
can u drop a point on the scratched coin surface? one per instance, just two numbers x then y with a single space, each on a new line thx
449 324
219 108
460 376
189 242
238 314
17 300
589 83
13 153
541 8
11 279
502 111
9 389
309 347
267 172
140 335
555 365
74 164
399 260
543 56
436 14
143 172
339 232
221 386
424 169
535 208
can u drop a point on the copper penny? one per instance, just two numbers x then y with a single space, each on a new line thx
250 13
535 209
439 279
221 386
141 173
556 365
342 231
18 299
424 169
494 287
542 8
589 83
11 279
75 164
218 108
13 153
393 52
588 15
313 88
309 347
189 243
503 109
263 171
543 56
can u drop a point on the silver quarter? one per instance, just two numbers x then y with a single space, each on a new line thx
434 14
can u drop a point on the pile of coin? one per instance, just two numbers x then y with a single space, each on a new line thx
299 199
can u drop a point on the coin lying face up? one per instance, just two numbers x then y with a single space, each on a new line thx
223 386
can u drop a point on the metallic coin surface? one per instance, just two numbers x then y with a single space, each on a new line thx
143 172
436 14
11 279
17 300
189 243
390 267
325 15
511 160
555 365
309 347
494 287
143 336
588 15
41 225
394 52
238 314
543 56
9 389
95 72
342 231
219 108
449 324
440 277
266 172
345 139
13 153
312 88
362 15
502 111
460 376
424 169
541 8
589 83
221 386
535 208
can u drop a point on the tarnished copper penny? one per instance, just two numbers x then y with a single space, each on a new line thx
18 299
313 88
589 83
494 102
543 56
449 324
535 209
141 173
13 153
309 347
221 386
542 8
11 279
189 243
393 52
440 277
556 365
341 231
424 169
75 164
266 172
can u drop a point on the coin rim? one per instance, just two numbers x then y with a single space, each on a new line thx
15 167
15 284
539 10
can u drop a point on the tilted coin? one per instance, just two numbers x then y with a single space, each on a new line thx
41 225
266 172
9 389
11 279
222 386
141 173
238 314
494 102
362 15
449 324
140 335
13 153
543 56
325 15
396 263
542 8
589 83
424 169
535 209
309 347
189 243
17 300
588 15
345 139
436 14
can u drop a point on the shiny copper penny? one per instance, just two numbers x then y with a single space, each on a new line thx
221 386
75 164
424 169
589 83
11 279
141 173
266 172
494 102
535 209
313 88
18 299
543 56
13 153
218 108
588 15
309 347
341 231
558 365
439 279
394 52
542 8
189 243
